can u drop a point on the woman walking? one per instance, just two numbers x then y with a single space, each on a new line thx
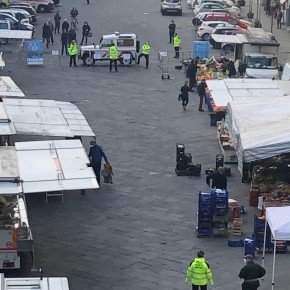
183 96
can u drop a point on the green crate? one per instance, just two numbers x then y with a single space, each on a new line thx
220 218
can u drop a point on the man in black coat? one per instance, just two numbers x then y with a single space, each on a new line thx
251 273
219 179
201 90
171 27
64 43
86 31
191 74
65 26
183 96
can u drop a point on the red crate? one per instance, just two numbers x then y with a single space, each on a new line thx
254 196
234 212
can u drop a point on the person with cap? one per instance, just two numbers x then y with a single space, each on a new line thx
251 273
176 44
201 90
113 54
65 26
171 28
73 52
199 273
219 179
146 49
96 154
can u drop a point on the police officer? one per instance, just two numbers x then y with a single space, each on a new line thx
176 44
146 48
73 52
199 273
171 28
113 54
251 273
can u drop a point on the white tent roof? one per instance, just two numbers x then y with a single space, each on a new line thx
278 219
260 130
8 88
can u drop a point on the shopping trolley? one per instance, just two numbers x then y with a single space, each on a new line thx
163 63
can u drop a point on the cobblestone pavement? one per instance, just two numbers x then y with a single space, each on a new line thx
138 233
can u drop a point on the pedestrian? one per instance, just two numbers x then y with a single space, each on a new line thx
96 154
45 34
191 74
199 273
230 67
64 43
73 52
51 29
88 1
183 96
57 19
176 44
65 26
171 28
251 273
201 92
113 54
146 49
268 7
86 31
71 35
279 19
219 179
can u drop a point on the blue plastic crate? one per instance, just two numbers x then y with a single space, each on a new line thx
234 243
204 231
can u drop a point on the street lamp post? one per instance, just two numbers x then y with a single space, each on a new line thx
273 5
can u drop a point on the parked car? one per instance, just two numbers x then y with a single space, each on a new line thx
19 14
226 17
207 27
225 2
4 24
209 6
29 9
39 5
15 24
171 6
224 31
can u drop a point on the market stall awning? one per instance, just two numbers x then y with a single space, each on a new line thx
278 219
46 118
8 88
234 39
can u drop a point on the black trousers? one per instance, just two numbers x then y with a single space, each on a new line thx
201 97
250 285
47 41
72 59
51 38
170 37
192 82
197 287
88 1
279 24
184 102
113 61
97 169
146 57
64 48
56 27
85 37
176 51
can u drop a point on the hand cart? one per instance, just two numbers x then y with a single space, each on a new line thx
163 63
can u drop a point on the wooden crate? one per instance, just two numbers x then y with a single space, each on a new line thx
237 226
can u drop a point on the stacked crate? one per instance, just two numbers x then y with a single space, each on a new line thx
234 210
205 214
220 212
237 227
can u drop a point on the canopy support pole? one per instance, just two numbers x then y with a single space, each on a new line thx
274 261
264 243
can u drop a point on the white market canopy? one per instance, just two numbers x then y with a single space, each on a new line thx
8 88
278 219
259 130
15 34
243 90
42 117
45 166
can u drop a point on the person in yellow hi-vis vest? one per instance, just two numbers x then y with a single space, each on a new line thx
176 44
199 273
113 54
73 52
146 49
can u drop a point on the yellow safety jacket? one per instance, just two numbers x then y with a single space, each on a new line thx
146 48
113 52
176 41
199 272
72 49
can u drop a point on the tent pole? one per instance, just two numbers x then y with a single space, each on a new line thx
274 260
264 243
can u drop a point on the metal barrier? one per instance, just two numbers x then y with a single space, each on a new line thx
165 61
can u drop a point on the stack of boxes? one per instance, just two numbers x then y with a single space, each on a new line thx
213 213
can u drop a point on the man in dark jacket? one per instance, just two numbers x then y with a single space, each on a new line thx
51 29
71 35
219 179
86 31
171 27
183 96
46 33
201 92
57 19
191 74
96 154
65 26
64 43
251 273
